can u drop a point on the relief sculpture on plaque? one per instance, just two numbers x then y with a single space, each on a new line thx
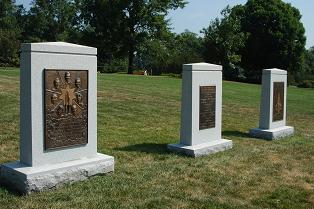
278 101
66 108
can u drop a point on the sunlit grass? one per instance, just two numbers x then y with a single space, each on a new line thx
138 116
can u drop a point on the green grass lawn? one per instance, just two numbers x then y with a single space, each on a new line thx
138 116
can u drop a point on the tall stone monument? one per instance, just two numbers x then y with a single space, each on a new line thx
272 123
201 111
58 110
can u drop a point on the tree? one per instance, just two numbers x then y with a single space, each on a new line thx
145 18
276 37
103 26
223 42
119 27
305 77
167 53
51 20
9 33
309 63
255 36
153 55
186 48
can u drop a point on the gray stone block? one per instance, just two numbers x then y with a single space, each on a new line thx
202 149
272 134
201 108
25 179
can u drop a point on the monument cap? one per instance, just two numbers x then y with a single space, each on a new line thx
275 71
202 66
58 47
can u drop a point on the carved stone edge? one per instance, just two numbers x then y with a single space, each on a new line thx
201 149
272 134
25 180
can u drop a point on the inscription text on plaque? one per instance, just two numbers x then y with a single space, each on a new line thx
207 114
66 108
278 101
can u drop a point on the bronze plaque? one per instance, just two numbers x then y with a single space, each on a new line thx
207 114
66 108
278 101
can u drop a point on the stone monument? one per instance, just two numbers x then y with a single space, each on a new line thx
58 118
272 123
201 111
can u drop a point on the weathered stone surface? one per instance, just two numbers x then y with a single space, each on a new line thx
272 134
201 111
25 179
41 169
272 123
202 149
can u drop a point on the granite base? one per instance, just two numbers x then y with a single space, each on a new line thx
272 134
201 149
25 179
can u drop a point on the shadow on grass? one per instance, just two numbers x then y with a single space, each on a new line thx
235 134
4 188
146 148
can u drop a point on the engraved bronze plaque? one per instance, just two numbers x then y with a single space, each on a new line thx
207 114
278 101
66 108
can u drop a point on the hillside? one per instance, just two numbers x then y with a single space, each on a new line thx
138 116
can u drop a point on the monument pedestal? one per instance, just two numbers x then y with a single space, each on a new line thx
201 149
58 118
201 111
272 123
26 179
272 134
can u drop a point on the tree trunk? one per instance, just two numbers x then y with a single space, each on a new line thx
131 58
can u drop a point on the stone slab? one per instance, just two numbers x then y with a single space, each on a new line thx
202 149
59 48
25 179
275 71
272 134
270 77
32 128
192 81
202 67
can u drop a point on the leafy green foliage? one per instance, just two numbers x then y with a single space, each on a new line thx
167 53
223 40
146 18
276 37
306 76
256 36
103 27
309 63
50 20
9 33
118 28
136 33
187 49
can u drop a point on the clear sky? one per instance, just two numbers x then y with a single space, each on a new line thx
198 14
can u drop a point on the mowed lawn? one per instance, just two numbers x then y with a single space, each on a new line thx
138 116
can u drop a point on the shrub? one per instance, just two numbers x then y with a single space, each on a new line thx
307 84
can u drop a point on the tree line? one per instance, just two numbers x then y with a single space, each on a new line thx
136 35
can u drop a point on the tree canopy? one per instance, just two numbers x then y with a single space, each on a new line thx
50 21
258 35
9 33
136 34
223 40
120 27
168 52
276 37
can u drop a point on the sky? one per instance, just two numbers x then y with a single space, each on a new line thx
198 14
